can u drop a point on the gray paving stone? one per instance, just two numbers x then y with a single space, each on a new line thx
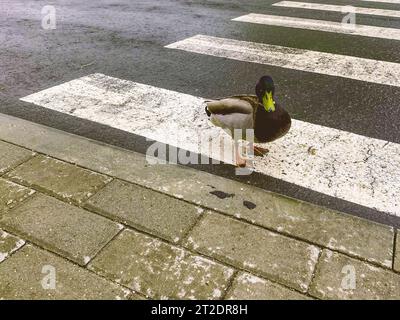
11 156
27 275
249 287
67 230
12 194
159 270
8 244
59 178
334 230
334 279
145 209
268 254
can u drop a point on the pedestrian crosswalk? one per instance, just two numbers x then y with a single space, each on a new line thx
336 8
338 163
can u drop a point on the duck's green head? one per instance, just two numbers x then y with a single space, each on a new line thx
265 90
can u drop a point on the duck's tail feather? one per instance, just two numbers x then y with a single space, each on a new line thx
208 112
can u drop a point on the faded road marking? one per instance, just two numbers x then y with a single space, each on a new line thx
369 70
330 7
321 25
384 1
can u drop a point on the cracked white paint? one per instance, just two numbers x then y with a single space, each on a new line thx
217 293
369 70
246 278
251 265
199 210
86 259
335 8
3 256
321 25
348 166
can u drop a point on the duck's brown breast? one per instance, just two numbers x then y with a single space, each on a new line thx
269 126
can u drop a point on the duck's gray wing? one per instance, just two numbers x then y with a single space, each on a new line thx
236 112
230 105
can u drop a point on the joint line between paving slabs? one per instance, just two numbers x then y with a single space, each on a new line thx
21 202
15 251
106 245
314 271
51 193
84 202
19 163
230 284
394 248
185 237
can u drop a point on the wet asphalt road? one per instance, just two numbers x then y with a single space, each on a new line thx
126 39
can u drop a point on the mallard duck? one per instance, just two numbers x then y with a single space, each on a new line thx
259 112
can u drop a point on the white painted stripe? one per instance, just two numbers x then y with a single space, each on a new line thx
344 9
345 165
369 70
384 1
321 25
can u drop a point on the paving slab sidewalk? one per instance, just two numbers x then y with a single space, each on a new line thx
81 219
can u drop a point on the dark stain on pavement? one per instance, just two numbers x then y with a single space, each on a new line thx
222 195
249 205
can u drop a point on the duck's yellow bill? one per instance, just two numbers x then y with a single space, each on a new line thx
268 102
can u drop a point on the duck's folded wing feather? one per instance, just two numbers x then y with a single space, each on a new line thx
229 106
